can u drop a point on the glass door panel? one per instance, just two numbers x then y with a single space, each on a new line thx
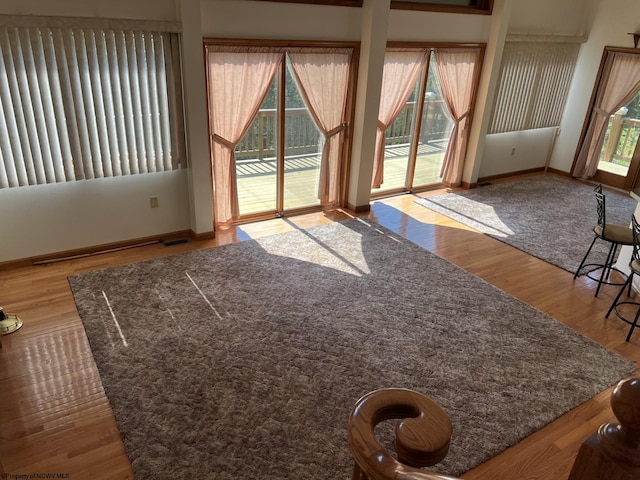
256 159
416 142
435 129
621 139
397 146
302 152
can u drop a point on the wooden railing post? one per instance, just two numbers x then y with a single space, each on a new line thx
613 452
422 438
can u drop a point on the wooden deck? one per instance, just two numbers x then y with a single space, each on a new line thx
257 178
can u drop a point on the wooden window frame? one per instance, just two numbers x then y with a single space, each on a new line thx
339 3
484 7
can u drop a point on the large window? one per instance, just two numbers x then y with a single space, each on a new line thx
83 103
534 85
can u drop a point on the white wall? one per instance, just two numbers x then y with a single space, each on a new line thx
550 17
412 26
515 151
44 219
564 18
282 21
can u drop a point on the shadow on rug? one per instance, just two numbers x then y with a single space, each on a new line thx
548 217
244 361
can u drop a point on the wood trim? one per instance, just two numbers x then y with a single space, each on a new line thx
484 7
359 208
415 134
434 45
512 174
587 117
277 43
392 192
347 144
338 3
281 114
202 236
96 249
558 172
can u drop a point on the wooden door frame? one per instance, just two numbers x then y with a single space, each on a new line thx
632 179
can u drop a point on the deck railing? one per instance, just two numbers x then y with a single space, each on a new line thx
621 139
303 137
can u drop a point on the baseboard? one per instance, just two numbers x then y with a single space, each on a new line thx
511 174
95 250
359 209
562 173
201 236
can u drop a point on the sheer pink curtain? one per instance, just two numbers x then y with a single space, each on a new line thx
620 83
238 83
399 77
323 78
457 69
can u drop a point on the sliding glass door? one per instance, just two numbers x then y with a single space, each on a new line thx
608 150
618 163
417 140
286 150
271 179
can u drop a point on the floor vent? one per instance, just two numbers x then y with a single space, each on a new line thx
175 242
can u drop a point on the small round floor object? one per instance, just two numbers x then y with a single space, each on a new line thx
9 322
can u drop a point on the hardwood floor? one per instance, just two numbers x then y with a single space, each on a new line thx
55 417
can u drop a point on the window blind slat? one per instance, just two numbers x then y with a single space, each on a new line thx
23 112
10 146
54 108
162 89
136 104
120 152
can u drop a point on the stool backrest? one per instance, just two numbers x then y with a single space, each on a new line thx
602 219
636 238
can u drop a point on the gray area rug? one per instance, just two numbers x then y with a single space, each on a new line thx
244 361
548 217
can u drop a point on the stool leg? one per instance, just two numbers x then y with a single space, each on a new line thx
611 260
634 324
585 258
615 302
607 267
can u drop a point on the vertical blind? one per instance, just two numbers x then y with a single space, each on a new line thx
534 84
83 103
